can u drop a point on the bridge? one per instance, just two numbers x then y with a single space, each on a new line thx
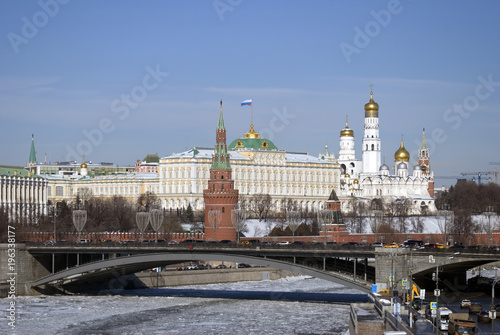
356 267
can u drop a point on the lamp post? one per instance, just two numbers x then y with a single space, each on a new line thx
492 311
142 220
445 212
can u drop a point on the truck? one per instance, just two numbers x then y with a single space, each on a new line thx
461 324
443 318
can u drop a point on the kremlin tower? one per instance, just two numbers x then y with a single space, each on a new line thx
220 194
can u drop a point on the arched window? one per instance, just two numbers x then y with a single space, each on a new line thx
373 147
222 209
222 186
222 177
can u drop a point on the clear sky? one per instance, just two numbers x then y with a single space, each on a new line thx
116 80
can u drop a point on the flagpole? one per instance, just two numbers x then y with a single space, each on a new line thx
252 110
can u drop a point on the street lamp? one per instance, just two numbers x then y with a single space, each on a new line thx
493 311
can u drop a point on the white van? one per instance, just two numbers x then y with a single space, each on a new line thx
443 318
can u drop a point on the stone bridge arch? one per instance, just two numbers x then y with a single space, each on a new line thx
117 267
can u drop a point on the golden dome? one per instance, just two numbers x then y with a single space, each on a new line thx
356 181
346 131
347 175
371 107
252 133
402 155
83 165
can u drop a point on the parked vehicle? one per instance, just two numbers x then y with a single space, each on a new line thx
173 242
413 243
377 244
283 243
391 245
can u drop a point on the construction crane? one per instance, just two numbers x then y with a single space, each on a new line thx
472 175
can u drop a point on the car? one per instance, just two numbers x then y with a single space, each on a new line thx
173 242
225 241
475 308
283 243
391 245
465 303
377 244
350 244
221 266
245 243
483 317
49 242
244 265
457 246
298 243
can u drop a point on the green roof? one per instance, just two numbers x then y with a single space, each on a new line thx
252 143
333 196
15 171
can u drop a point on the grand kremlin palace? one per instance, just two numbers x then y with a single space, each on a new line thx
259 167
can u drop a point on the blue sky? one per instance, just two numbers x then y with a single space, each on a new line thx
67 68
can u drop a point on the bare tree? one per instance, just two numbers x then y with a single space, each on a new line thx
357 215
262 205
147 201
417 224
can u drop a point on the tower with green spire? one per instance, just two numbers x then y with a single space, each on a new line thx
220 194
423 156
220 159
32 159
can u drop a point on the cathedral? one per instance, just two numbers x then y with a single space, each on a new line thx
368 178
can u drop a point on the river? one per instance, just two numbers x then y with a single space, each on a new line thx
265 307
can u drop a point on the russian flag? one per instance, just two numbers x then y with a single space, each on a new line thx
247 103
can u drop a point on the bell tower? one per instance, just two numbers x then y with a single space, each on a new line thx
220 194
371 140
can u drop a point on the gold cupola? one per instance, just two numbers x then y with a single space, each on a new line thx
346 131
371 107
252 133
402 155
83 165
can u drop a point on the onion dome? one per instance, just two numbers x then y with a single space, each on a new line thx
346 131
402 155
83 165
384 167
356 182
371 107
418 168
402 166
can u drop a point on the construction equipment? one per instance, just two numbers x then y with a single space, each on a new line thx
473 175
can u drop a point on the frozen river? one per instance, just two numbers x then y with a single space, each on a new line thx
153 311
